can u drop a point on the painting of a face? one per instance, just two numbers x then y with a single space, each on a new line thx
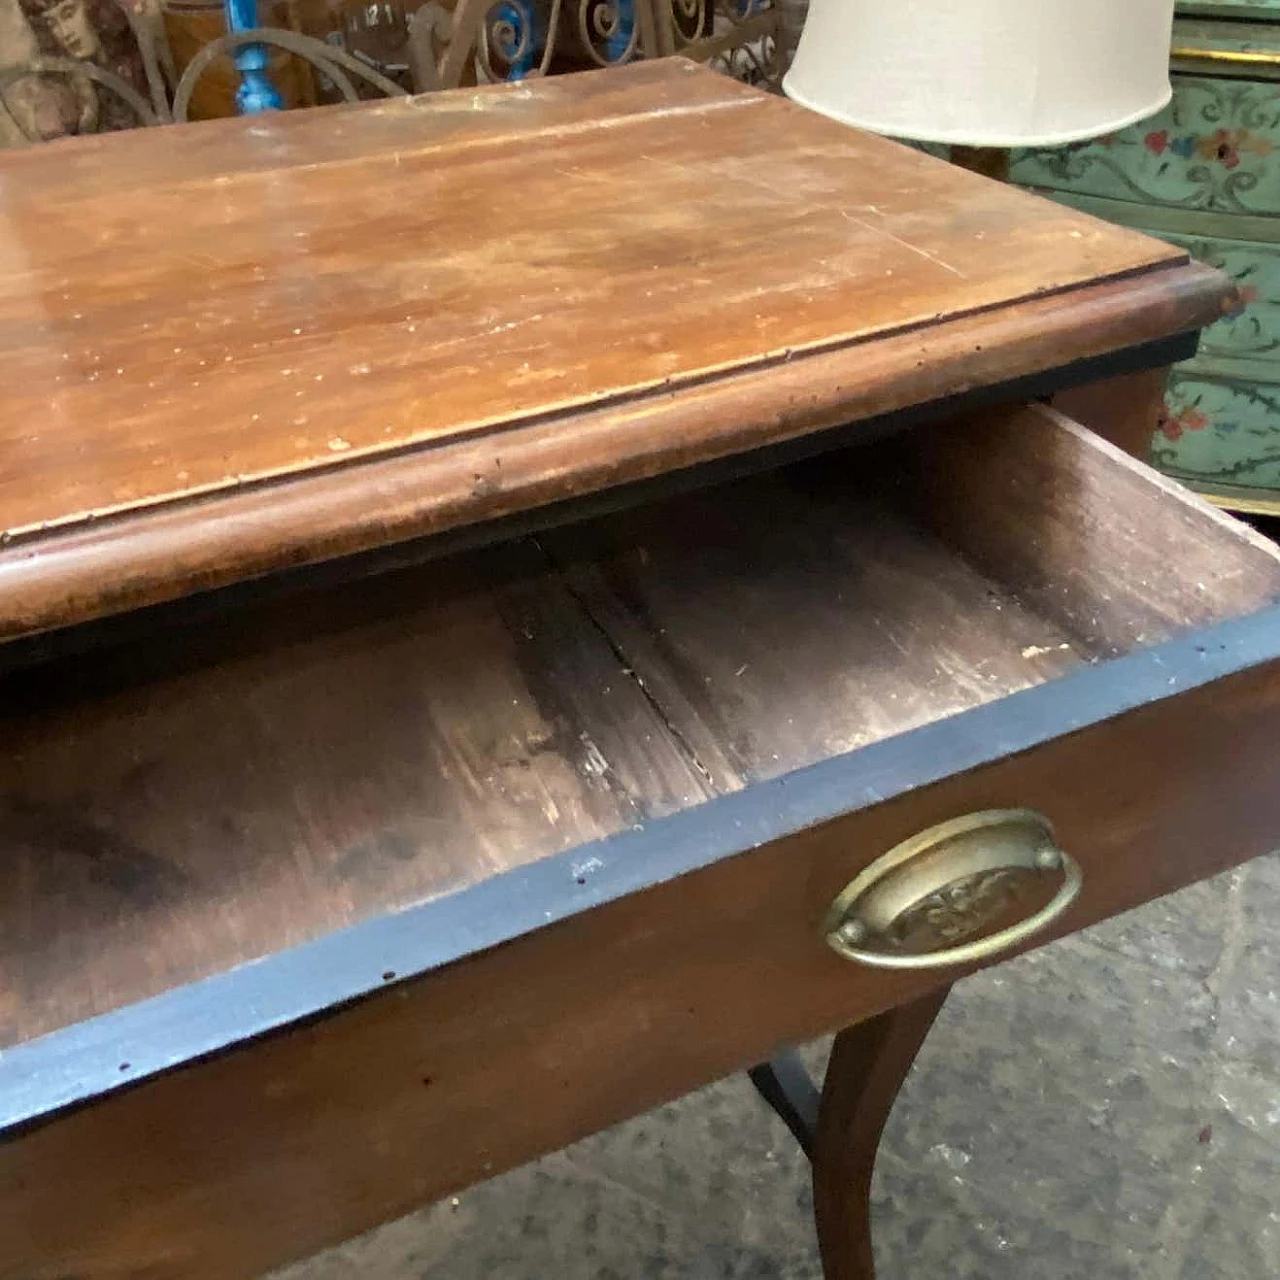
69 25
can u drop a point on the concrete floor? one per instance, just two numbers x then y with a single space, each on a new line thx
1108 1108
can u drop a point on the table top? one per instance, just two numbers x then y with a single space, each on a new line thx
238 345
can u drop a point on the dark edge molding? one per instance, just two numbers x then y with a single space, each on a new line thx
83 1062
123 628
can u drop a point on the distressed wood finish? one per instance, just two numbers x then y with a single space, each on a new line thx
263 778
297 336
774 644
722 725
302 1139
320 903
1124 410
158 554
171 811
1068 520
867 1067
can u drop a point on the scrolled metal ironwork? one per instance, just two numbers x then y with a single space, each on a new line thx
754 62
148 31
326 58
607 31
521 35
502 39
744 39
512 31
689 20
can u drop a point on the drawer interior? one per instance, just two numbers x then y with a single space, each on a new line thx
233 787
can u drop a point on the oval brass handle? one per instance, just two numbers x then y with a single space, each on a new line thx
918 905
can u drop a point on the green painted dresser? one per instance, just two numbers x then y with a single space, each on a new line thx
1205 173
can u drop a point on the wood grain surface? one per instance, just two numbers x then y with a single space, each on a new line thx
806 618
178 809
1082 533
868 1064
173 809
1125 410
238 307
307 1137
164 552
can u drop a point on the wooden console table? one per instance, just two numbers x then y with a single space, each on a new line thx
489 650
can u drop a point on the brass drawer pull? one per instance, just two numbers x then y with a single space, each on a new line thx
914 907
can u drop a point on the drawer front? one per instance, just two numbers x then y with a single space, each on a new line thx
1231 8
309 1136
1221 426
1205 45
1204 174
1212 148
1245 344
1221 433
1220 430
684 947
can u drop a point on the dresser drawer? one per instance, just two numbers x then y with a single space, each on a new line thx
1246 343
1222 434
369 893
1220 430
1221 427
1231 8
1212 148
1203 175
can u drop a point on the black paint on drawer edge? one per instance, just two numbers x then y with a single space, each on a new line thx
115 1050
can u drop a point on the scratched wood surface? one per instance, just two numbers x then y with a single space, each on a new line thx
262 1155
776 640
172 809
215 308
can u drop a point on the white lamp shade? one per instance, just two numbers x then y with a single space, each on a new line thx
991 73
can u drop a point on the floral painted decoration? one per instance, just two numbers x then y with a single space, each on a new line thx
1172 425
1222 145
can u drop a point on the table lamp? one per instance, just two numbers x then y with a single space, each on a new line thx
984 74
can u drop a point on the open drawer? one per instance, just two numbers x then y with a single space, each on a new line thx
298 904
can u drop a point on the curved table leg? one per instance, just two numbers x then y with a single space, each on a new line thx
868 1065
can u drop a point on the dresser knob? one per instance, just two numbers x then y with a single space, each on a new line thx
958 893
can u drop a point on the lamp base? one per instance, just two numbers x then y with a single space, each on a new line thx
991 162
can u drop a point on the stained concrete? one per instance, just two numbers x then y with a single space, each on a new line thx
1107 1108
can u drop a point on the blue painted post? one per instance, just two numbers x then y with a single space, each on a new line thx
255 92
520 42
615 48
